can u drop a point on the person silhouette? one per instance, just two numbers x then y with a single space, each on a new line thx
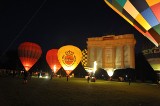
88 78
67 77
25 77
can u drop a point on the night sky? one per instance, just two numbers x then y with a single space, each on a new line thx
55 23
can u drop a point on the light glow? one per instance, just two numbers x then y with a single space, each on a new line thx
95 67
54 68
110 71
89 69
46 77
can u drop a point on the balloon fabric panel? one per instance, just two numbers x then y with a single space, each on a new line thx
84 58
157 28
131 9
140 5
152 2
156 10
150 17
142 22
121 2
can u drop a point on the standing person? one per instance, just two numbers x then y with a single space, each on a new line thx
88 78
129 80
51 75
25 77
67 77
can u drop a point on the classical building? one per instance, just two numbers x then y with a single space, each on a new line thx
112 52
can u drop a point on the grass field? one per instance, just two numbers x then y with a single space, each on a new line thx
76 92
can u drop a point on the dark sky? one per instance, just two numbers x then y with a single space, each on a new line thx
55 23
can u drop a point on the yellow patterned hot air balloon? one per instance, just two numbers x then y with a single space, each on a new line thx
144 15
84 62
69 57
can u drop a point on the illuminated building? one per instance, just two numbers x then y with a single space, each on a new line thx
112 52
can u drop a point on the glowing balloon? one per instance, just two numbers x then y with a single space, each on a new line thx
52 60
84 61
144 15
69 57
84 57
29 53
152 54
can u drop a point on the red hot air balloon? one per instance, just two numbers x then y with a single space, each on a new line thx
52 60
29 53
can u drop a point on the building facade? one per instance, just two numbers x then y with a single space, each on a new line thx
112 52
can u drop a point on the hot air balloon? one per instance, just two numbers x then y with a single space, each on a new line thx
84 62
152 54
29 53
52 60
69 57
144 15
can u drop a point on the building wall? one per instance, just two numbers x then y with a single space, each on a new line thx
112 51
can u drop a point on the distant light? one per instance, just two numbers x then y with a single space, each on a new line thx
46 76
110 73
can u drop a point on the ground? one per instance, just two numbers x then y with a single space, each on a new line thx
76 92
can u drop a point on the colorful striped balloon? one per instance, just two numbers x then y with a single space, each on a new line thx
144 15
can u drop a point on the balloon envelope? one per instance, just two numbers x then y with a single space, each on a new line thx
152 54
29 53
84 58
69 57
144 15
84 61
52 60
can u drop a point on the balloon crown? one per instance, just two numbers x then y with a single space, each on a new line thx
69 53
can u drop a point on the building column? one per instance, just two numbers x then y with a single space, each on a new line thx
113 56
132 56
122 56
103 57
95 53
